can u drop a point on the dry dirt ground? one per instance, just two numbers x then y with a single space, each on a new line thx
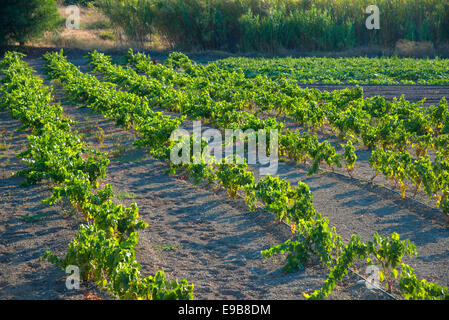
196 232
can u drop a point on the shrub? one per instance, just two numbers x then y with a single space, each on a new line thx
23 20
199 24
107 35
83 3
275 24
98 25
132 17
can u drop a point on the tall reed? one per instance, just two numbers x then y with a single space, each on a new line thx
269 25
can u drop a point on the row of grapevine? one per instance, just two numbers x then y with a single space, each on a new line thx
103 248
294 205
388 127
201 103
354 70
377 123
395 130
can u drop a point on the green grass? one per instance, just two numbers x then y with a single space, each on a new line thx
97 25
4 146
38 217
168 247
125 195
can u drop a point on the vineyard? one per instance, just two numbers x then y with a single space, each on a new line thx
361 182
388 71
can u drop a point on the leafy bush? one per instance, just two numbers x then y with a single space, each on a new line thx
23 20
414 289
132 17
99 24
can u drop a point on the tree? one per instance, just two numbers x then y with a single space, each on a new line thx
22 20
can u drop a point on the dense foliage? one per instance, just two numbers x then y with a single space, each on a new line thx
358 70
274 24
391 128
23 20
